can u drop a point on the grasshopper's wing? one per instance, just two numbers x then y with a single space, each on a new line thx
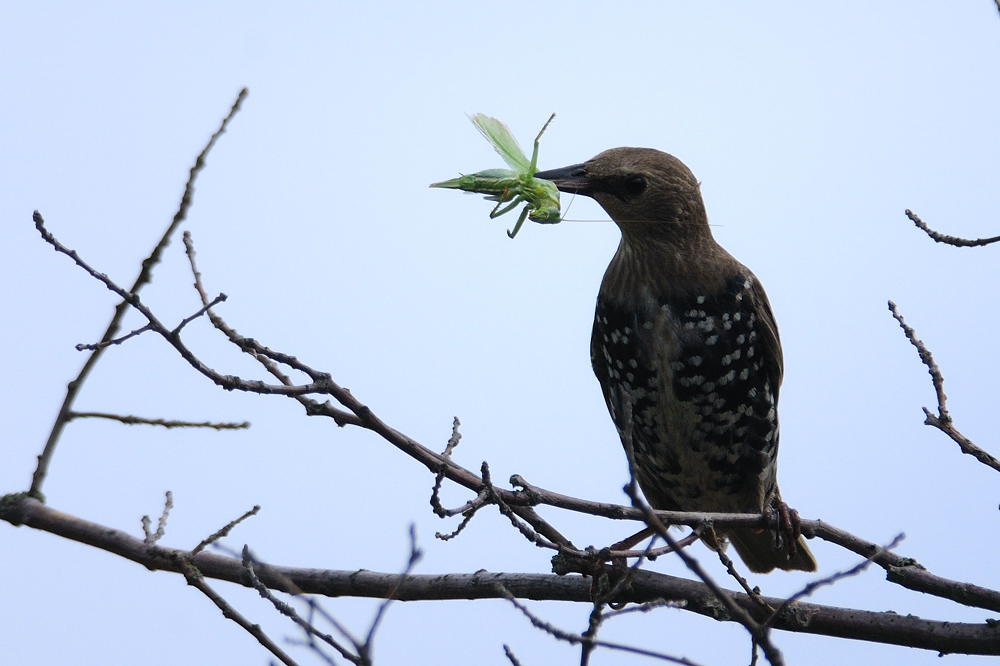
503 141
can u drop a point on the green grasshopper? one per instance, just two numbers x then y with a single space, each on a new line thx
516 184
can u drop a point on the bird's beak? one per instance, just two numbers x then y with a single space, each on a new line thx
569 179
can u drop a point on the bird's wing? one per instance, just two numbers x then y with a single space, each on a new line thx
767 334
625 360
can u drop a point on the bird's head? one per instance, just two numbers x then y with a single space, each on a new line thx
648 193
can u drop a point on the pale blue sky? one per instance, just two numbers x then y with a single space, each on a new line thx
811 126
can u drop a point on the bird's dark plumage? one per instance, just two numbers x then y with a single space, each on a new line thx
686 333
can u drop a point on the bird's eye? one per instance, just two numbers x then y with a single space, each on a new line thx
634 186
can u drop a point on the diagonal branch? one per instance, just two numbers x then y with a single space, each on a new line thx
322 384
942 421
145 275
576 639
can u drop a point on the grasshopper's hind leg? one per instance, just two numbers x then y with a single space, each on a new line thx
497 212
520 221
534 153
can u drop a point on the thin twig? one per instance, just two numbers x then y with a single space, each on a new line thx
727 562
232 614
307 625
884 627
506 649
448 536
145 276
942 421
221 298
644 608
830 580
161 526
522 526
321 384
225 530
246 345
944 238
114 341
138 420
415 556
604 597
436 505
652 554
576 639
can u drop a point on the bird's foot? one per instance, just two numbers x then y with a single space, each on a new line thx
789 529
607 573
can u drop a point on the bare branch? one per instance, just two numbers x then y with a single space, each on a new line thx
138 420
576 639
942 421
890 628
225 530
906 571
506 649
727 562
531 535
949 240
231 613
307 625
831 579
453 441
415 556
113 341
228 382
145 276
221 298
312 407
520 503
161 527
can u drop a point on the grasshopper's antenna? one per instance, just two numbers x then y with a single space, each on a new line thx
568 206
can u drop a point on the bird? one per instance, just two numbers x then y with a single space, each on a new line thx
685 334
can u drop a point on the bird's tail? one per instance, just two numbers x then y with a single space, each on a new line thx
756 549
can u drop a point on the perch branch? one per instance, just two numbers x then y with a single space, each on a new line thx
888 627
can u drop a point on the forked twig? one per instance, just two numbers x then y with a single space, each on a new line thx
145 276
942 420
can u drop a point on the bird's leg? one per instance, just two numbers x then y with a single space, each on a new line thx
793 527
789 529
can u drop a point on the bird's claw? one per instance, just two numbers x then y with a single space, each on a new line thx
789 529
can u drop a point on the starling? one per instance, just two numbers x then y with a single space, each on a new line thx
686 333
